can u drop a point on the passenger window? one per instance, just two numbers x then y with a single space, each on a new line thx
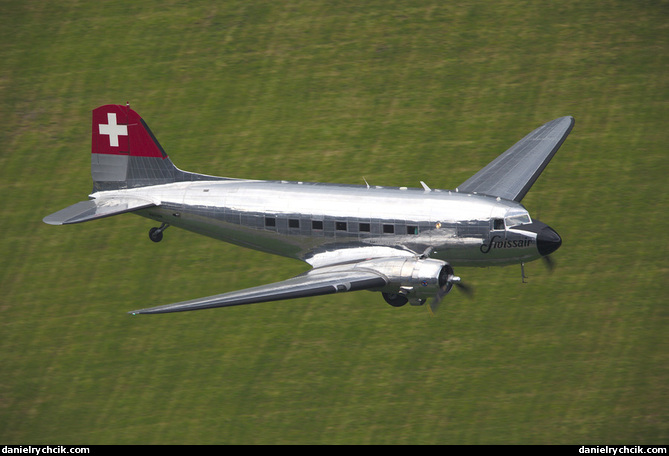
498 224
365 227
293 223
388 229
270 221
340 226
317 224
412 229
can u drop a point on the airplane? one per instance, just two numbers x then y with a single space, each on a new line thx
402 242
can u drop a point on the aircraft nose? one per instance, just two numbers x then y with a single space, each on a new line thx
548 241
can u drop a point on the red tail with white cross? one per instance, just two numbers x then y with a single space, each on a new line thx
118 130
125 154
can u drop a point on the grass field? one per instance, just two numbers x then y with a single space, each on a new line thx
395 92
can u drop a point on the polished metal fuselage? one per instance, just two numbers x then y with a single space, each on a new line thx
324 224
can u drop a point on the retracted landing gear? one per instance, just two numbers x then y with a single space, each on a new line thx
395 299
156 234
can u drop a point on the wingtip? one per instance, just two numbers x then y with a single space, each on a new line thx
572 122
562 120
570 119
144 311
50 220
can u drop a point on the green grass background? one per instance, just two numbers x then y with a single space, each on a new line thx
395 92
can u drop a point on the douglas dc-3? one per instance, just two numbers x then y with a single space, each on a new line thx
402 242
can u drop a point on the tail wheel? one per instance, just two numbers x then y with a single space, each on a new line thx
156 234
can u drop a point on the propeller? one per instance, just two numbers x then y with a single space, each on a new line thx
549 262
463 287
443 291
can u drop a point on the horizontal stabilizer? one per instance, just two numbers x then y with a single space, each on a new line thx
94 209
314 283
511 175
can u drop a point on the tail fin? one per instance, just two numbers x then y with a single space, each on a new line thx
125 153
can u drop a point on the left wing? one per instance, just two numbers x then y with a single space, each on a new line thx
316 282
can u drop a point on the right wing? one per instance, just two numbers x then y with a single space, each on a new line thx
316 282
511 175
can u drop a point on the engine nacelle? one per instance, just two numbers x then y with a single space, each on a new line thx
412 279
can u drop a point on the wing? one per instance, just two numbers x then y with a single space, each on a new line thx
511 175
85 211
316 282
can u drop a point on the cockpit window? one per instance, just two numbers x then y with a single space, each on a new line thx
515 220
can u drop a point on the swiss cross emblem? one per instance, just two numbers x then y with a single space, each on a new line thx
112 129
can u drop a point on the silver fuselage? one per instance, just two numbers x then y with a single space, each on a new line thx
329 223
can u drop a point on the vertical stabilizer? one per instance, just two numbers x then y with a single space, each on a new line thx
125 153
